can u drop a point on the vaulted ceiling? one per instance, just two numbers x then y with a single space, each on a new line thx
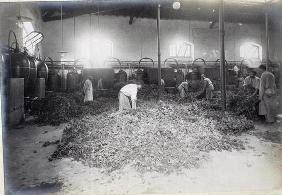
241 11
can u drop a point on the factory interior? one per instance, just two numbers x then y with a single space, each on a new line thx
141 96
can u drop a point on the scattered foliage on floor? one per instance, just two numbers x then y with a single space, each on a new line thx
59 108
160 136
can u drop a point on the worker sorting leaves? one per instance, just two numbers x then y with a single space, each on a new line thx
183 89
208 88
128 96
252 82
267 95
88 90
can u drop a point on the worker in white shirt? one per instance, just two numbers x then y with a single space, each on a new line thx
207 88
128 96
252 81
88 90
183 89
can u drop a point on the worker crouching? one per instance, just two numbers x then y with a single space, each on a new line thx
183 89
208 88
128 96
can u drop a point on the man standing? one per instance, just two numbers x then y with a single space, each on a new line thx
267 93
128 96
207 88
252 81
88 90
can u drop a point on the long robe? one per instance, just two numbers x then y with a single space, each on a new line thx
267 95
88 91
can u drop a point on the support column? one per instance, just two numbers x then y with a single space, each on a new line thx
267 37
159 50
222 55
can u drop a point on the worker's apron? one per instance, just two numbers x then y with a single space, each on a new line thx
124 101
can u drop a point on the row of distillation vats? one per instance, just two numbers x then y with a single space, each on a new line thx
34 76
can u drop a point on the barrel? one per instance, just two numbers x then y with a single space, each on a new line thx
152 74
195 75
106 74
42 70
20 65
149 75
73 81
63 79
121 76
168 75
139 75
53 83
179 77
30 84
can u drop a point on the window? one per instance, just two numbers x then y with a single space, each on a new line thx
94 49
100 50
182 50
251 51
28 28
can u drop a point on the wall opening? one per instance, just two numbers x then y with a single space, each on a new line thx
182 49
251 51
26 29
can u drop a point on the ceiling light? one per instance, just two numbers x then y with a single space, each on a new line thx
199 8
176 5
240 24
210 22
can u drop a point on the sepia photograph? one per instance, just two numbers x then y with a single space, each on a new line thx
111 97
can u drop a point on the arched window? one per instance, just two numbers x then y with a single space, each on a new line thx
251 50
28 28
182 50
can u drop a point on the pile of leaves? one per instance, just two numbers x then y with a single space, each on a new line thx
243 102
55 109
59 108
158 136
228 122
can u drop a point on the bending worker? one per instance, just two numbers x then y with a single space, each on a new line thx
208 87
183 89
88 90
128 96
252 81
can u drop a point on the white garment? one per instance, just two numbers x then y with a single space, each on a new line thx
88 91
209 84
162 82
130 90
253 82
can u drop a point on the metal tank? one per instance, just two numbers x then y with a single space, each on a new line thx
42 70
73 81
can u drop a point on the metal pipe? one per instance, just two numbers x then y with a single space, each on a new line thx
267 37
222 55
62 30
159 50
